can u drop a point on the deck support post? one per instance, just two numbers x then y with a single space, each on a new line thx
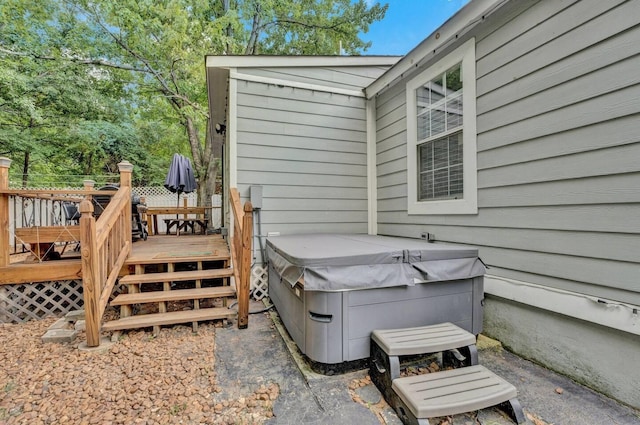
5 163
90 273
126 168
244 286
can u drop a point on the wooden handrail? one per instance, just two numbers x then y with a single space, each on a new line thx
48 193
106 244
242 253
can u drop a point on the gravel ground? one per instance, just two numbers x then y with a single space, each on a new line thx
170 379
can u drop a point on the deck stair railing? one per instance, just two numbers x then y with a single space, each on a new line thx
242 253
105 245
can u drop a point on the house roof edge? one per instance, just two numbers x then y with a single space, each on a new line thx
473 13
224 61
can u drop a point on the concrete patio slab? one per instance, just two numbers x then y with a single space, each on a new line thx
268 355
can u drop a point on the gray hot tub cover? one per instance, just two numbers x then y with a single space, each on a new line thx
330 262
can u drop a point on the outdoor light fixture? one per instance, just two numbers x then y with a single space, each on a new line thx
221 128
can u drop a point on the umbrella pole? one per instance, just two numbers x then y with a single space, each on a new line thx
178 215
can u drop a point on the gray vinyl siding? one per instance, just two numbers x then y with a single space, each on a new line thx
558 122
307 149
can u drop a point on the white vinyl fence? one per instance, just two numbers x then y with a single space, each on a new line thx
162 197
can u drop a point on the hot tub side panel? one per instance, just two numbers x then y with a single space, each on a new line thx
459 302
289 303
314 320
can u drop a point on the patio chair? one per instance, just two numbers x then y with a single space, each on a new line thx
71 217
71 213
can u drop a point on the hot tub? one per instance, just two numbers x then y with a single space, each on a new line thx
331 291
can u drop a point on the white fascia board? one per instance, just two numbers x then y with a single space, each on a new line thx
232 128
372 181
474 12
613 314
235 75
253 61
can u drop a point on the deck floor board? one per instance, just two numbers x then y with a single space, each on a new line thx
170 249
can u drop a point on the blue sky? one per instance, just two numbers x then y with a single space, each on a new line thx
407 23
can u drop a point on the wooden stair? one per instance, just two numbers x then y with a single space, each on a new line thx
191 270
170 318
176 276
175 295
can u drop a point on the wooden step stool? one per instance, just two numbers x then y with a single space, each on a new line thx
417 398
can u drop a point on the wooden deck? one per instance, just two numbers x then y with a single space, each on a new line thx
156 249
175 249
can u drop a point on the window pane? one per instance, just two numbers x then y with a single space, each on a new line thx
456 187
426 157
454 111
441 170
454 80
440 153
437 122
426 185
439 104
436 89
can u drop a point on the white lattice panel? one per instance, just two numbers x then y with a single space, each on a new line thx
20 303
259 282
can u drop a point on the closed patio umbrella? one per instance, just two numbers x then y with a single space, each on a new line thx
180 178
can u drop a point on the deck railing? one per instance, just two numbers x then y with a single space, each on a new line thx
105 245
242 253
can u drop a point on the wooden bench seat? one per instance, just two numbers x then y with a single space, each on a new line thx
452 392
185 224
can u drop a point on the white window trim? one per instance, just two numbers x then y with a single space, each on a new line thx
469 205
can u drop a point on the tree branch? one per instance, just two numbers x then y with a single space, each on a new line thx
79 61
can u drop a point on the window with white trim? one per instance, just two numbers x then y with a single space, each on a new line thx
441 136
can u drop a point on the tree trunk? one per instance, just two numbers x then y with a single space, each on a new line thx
25 169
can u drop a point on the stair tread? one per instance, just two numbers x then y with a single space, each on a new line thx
176 276
159 259
170 318
422 339
174 295
453 391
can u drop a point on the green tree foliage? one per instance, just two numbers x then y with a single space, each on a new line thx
100 79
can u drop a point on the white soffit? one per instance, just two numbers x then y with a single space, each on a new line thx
253 61
469 16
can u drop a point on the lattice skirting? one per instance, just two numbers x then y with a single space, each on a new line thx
259 282
24 302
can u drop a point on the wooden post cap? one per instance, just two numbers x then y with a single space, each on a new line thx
5 162
88 183
86 207
125 166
